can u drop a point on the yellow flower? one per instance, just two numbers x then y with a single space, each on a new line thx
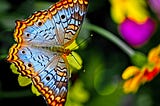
74 59
135 76
154 56
133 9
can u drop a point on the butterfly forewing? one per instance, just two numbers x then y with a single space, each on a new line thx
57 26
71 15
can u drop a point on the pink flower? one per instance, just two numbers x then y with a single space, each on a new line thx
136 33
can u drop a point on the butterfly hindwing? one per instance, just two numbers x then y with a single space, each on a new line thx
52 82
47 69
30 59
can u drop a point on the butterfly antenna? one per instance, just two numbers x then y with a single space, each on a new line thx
83 41
78 46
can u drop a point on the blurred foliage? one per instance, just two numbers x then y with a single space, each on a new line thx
99 82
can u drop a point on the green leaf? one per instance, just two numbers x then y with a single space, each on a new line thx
35 90
24 81
75 61
14 68
77 95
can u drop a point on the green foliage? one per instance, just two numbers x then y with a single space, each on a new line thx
23 81
78 96
35 90
14 69
139 59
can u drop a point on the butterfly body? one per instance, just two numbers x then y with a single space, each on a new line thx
41 49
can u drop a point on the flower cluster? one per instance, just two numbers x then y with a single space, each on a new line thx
136 76
136 27
135 24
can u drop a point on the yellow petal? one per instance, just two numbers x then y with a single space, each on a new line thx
73 46
75 61
118 10
35 90
129 87
122 9
154 55
136 81
129 72
117 15
23 81
126 86
14 68
139 14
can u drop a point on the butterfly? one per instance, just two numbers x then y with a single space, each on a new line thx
41 49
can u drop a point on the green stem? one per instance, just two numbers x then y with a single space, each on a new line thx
129 51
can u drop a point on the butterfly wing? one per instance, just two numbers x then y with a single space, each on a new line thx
38 30
57 26
71 14
47 69
52 82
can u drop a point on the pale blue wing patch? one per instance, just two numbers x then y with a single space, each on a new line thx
43 35
37 58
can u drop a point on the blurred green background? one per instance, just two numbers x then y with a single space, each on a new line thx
99 83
